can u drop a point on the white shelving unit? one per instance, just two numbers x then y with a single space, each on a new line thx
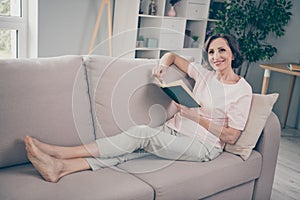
160 32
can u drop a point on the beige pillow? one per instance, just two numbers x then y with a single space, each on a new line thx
261 108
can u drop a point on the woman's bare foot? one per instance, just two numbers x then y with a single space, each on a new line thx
52 150
61 152
50 168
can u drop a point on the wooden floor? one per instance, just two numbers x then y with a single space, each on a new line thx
287 175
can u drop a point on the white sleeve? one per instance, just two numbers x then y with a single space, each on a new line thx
239 109
195 70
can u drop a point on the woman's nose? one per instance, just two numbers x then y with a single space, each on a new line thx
216 55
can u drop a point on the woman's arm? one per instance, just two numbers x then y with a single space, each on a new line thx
172 58
169 59
226 134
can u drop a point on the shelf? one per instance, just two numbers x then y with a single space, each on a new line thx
192 48
160 17
168 17
161 33
213 20
150 16
196 19
155 49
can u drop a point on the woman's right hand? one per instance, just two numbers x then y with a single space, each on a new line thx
159 71
167 60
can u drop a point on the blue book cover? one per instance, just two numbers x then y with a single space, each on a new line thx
180 93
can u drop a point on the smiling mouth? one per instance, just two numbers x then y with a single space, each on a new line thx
218 62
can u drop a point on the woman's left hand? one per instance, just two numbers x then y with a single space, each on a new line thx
189 113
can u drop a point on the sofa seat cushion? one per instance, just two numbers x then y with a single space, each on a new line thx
24 182
194 180
46 98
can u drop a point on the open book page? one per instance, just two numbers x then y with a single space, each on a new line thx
180 93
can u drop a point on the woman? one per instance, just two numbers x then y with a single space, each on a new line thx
197 134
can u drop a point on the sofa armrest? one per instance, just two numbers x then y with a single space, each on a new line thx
268 146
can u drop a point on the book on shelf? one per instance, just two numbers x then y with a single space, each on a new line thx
294 67
179 92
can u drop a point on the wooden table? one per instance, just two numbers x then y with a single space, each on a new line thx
281 68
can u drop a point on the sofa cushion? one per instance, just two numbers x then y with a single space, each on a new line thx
123 94
24 182
261 108
194 180
46 98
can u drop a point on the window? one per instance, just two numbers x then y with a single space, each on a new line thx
13 28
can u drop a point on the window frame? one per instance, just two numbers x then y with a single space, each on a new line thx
26 27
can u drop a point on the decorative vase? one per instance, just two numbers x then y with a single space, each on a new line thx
172 12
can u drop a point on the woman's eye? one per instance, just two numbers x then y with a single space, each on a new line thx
222 50
210 52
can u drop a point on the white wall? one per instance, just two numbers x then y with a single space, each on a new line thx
288 48
66 26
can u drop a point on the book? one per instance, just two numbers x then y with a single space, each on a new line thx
294 67
180 93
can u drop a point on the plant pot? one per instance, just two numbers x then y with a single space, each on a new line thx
140 43
195 44
172 12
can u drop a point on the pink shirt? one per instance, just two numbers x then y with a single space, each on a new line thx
223 104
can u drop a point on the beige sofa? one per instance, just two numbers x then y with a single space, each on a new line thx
71 100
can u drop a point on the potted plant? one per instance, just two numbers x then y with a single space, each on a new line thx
172 12
140 41
253 22
195 43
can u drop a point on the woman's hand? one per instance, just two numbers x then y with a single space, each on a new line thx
159 71
189 113
167 60
226 134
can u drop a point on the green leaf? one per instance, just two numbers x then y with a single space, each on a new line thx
253 23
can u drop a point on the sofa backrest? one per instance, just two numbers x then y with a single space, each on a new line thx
46 98
123 94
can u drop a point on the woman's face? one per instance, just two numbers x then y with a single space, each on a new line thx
219 54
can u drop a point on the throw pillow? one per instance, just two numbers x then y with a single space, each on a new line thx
261 108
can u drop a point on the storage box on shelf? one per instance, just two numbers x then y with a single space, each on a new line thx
160 32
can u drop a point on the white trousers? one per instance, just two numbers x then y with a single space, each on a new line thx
161 141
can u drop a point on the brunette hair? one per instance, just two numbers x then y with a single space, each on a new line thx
232 43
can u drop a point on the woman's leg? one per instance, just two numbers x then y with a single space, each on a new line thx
50 168
127 142
137 137
161 141
98 163
54 162
81 151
